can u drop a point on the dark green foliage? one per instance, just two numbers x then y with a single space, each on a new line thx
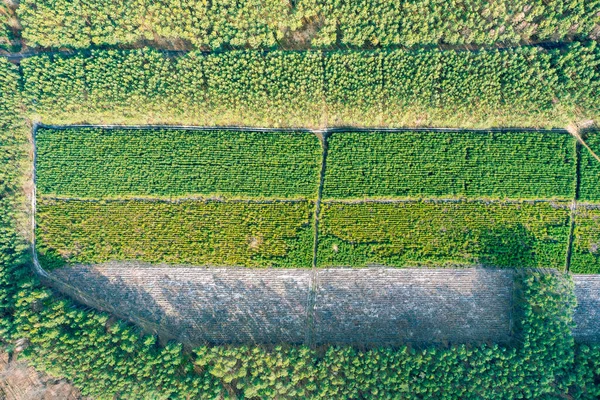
585 258
590 169
522 87
275 234
13 139
97 163
432 233
586 374
102 357
521 165
265 23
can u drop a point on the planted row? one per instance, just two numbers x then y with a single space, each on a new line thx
525 86
304 23
104 163
429 233
277 234
529 165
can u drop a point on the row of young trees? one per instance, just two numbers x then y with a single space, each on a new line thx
272 23
527 86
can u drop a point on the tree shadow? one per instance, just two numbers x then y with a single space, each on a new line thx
362 307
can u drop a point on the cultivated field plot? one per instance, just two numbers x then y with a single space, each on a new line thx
456 233
277 234
249 199
516 165
585 257
101 163
590 170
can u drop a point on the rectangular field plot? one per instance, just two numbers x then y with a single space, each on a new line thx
121 163
531 165
590 169
276 234
402 234
585 257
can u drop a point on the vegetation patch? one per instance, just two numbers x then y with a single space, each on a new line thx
517 165
525 86
408 234
275 234
268 23
105 163
585 258
590 169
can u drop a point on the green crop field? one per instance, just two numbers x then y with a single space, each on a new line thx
99 163
416 233
590 170
521 165
585 258
214 233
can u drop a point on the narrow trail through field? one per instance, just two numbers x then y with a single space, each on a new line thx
310 308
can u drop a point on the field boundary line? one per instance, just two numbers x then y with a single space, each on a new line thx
312 292
328 130
574 204
557 202
151 199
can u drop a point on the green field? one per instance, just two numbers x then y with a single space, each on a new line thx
585 258
521 165
417 233
590 169
100 163
278 234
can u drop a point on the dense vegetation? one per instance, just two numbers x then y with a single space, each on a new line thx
5 30
526 86
590 169
277 234
271 23
518 165
585 258
443 233
99 163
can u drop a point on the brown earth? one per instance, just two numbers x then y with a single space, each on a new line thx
19 381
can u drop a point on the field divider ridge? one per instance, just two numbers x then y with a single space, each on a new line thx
312 293
325 130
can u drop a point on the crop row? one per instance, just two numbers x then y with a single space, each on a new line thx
192 232
100 163
443 233
525 86
266 23
532 165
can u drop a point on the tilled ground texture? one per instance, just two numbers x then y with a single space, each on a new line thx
372 306
19 381
587 313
